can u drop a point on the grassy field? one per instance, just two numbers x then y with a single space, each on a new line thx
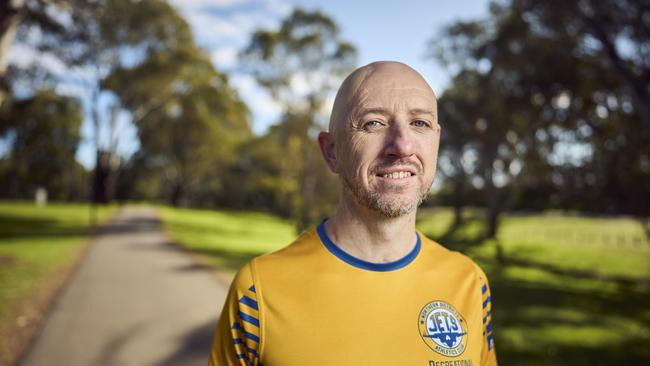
567 290
36 245
227 239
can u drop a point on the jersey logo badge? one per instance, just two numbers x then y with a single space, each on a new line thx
442 328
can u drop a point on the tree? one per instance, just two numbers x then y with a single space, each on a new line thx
91 40
617 33
301 64
544 87
190 121
9 20
44 135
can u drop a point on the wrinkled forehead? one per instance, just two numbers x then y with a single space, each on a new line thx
369 83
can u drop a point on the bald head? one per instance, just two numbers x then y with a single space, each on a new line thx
361 83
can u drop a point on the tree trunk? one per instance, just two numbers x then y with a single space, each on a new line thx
459 195
103 178
645 223
176 194
458 215
493 204
492 222
9 20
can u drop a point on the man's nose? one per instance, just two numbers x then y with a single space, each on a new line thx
400 141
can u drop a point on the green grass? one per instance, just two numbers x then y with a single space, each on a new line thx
607 246
35 243
566 290
227 239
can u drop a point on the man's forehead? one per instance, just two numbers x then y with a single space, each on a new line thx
384 76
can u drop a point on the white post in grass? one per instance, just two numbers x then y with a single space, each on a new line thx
40 197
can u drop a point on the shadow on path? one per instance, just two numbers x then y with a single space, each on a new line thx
194 348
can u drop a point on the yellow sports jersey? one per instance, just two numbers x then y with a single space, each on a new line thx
312 304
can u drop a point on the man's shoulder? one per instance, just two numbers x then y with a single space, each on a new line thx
304 245
289 258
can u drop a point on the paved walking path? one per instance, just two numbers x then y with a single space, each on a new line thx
135 300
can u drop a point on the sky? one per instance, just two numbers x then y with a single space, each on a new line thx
379 29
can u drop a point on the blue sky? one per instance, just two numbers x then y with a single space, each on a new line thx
380 30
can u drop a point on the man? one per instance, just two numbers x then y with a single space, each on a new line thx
364 288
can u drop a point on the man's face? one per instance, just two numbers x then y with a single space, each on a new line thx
386 146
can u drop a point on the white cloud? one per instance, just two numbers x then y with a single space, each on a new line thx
279 6
223 27
208 28
208 3
225 57
232 25
22 55
266 111
244 83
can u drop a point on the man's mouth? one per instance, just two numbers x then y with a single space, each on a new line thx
397 175
397 172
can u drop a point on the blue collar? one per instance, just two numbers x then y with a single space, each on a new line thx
360 263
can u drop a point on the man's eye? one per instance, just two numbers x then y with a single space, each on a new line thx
372 124
420 123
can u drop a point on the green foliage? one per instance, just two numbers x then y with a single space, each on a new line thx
44 134
146 41
542 112
190 121
300 64
283 171
306 49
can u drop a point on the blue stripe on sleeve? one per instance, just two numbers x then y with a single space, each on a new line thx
238 341
487 301
489 327
249 319
486 316
252 337
490 341
249 302
252 288
484 289
248 335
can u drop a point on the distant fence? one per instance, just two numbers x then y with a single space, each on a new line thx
580 236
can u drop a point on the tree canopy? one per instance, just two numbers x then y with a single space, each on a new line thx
301 64
546 109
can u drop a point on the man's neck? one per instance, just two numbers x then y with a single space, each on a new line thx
369 235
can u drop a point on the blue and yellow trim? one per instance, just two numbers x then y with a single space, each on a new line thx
360 263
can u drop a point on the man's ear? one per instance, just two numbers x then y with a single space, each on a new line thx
326 143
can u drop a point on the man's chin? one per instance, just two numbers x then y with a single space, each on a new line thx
393 206
388 200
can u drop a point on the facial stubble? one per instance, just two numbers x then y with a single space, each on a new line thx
377 202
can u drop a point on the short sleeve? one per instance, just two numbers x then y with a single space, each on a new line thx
237 338
488 351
